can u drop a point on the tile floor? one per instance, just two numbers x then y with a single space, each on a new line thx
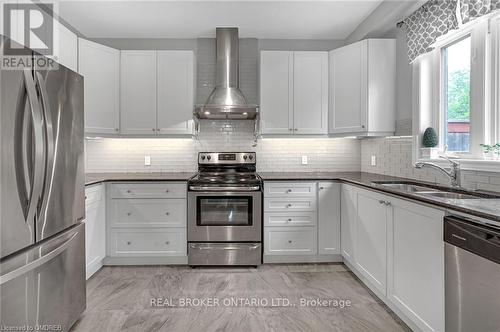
120 299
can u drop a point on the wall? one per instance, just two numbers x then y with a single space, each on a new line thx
394 157
178 155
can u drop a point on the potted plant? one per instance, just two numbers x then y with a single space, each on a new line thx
429 143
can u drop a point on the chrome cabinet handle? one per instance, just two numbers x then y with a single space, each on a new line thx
167 213
154 129
167 191
128 191
321 188
289 219
381 201
289 205
167 242
129 242
386 203
296 129
289 241
129 213
116 129
289 191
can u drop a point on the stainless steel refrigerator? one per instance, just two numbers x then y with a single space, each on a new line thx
42 264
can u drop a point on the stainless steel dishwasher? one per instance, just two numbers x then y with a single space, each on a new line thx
472 276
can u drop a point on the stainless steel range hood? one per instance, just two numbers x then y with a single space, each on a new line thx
226 100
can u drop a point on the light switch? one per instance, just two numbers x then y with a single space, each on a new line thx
304 160
374 161
147 160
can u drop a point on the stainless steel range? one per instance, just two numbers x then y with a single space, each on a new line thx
225 210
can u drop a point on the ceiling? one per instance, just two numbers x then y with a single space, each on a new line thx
198 19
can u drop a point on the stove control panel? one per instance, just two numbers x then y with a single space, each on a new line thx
214 158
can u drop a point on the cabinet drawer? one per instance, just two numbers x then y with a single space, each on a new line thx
290 241
290 219
290 204
290 189
93 194
148 212
148 242
149 190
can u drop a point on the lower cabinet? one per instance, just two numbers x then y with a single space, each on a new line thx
301 222
95 228
396 248
147 223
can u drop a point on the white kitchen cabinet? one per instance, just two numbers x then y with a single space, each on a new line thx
138 92
100 67
348 221
175 91
95 228
290 241
65 46
147 223
328 218
294 92
371 239
276 92
310 92
363 88
415 270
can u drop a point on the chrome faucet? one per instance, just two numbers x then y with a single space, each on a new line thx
453 173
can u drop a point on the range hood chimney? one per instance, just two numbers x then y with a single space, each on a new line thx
226 100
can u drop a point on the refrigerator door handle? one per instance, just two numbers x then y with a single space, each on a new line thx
49 142
38 262
29 197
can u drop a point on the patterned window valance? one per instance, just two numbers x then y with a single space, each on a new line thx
434 19
471 9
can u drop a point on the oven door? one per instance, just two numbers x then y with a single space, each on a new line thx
224 216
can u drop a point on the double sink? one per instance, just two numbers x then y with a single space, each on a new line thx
432 192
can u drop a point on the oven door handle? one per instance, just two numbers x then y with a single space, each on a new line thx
224 246
209 188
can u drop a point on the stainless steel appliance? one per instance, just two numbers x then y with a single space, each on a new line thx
42 263
472 275
225 211
226 100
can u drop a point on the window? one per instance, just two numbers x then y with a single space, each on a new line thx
456 102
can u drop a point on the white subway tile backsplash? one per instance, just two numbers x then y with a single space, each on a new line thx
179 155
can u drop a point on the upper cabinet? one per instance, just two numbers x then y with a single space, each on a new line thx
157 92
363 88
294 92
138 92
175 88
100 67
65 46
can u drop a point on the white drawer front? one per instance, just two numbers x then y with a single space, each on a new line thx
148 242
290 241
290 219
93 194
149 190
289 189
148 213
290 204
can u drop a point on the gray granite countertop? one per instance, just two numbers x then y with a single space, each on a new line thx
94 178
488 208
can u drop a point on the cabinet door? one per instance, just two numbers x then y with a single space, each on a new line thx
348 88
329 218
371 233
276 92
310 92
95 229
65 46
348 216
100 66
138 92
415 283
175 92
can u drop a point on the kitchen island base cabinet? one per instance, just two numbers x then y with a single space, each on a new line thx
301 222
396 249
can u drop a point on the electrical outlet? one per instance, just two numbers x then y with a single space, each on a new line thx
147 160
374 161
304 160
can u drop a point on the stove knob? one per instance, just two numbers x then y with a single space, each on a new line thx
208 157
250 157
202 157
245 157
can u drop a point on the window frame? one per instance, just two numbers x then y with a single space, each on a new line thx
428 93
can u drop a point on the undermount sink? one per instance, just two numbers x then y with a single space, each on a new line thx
447 195
407 187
